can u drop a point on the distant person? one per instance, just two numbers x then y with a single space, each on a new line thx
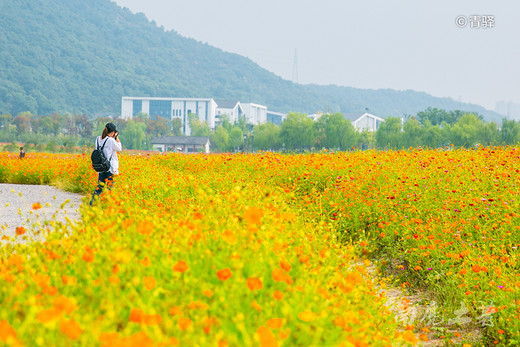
22 153
111 145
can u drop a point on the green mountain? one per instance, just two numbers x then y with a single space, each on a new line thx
82 56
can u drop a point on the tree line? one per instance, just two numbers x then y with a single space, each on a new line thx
433 128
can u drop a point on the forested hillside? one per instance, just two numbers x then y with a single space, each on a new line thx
83 56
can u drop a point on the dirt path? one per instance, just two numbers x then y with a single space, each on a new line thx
33 208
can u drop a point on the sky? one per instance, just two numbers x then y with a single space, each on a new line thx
439 47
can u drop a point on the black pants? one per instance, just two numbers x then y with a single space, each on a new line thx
104 179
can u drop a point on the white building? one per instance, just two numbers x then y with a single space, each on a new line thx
366 121
233 109
255 114
170 108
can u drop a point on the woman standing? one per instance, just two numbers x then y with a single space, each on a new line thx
111 145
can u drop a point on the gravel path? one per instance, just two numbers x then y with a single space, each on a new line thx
16 209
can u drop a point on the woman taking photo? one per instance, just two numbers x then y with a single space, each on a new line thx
110 143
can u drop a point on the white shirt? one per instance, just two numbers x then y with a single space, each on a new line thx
111 148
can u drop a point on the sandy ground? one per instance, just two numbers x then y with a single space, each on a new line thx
16 209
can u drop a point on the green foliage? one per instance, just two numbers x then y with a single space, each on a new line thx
198 127
297 131
389 134
134 136
267 136
334 131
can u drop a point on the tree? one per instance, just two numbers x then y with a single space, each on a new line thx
267 136
236 138
177 126
135 135
23 122
297 131
389 133
510 132
432 135
5 119
334 131
412 133
158 126
489 134
220 138
198 127
465 132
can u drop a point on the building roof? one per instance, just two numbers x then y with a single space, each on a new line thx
226 103
181 140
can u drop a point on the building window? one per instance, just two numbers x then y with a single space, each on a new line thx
137 107
161 108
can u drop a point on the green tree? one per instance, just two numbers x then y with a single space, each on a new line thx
198 127
509 132
334 131
297 131
412 133
135 136
236 139
465 132
177 126
23 122
489 134
389 133
157 126
5 119
432 135
220 138
267 136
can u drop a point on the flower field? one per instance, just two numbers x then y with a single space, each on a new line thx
267 249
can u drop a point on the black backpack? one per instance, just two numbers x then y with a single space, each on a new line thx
100 163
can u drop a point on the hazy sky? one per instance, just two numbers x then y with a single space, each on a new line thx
400 44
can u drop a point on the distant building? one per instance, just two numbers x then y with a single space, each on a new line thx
170 108
366 121
232 109
183 144
275 117
255 114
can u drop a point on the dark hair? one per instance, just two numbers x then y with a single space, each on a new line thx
105 133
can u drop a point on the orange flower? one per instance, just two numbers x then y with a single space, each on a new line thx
275 323
149 282
70 328
279 275
307 316
20 231
476 268
253 215
255 305
278 295
254 283
224 274
36 206
184 323
266 336
175 311
136 315
284 264
181 266
46 316
145 227
410 337
207 292
88 255
6 331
